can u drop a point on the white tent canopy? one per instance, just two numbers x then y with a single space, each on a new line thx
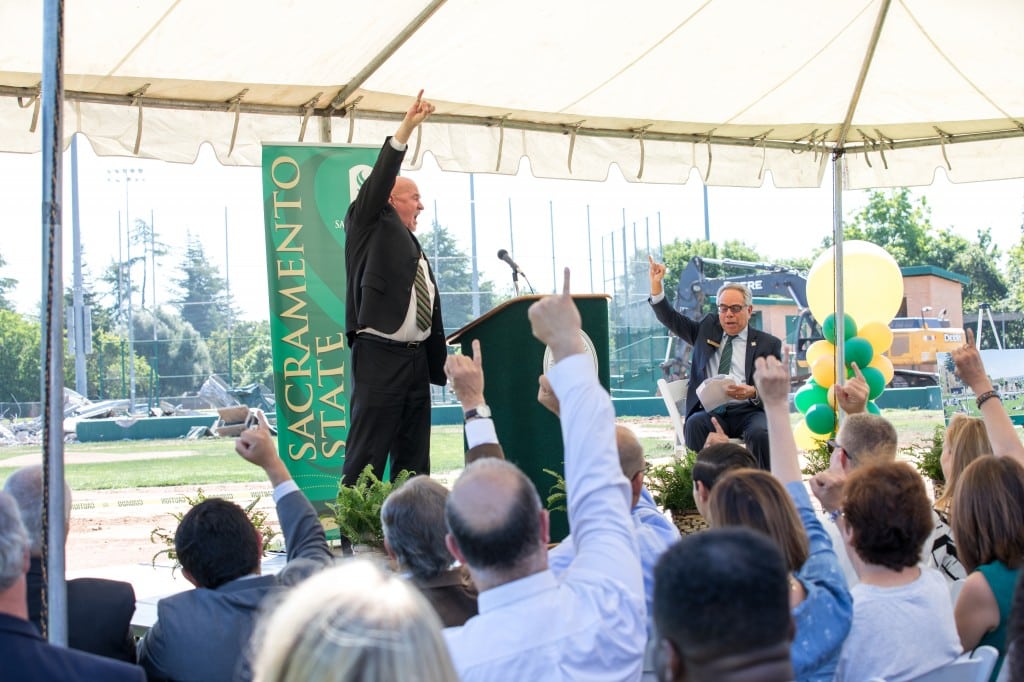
736 89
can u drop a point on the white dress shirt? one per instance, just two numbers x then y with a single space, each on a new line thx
588 623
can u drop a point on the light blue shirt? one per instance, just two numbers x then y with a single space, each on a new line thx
590 622
654 534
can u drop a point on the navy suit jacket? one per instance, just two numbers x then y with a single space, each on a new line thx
204 634
27 657
381 258
99 613
704 336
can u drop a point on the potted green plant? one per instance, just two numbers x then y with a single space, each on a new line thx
356 510
928 461
671 485
817 460
258 517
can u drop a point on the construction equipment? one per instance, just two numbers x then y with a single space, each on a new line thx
916 340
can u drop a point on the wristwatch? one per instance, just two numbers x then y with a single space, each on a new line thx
481 411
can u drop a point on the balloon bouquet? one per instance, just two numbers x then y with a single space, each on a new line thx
872 296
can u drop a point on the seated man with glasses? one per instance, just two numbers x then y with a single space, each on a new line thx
722 344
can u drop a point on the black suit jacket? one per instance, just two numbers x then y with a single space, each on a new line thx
99 613
381 257
701 334
27 657
204 634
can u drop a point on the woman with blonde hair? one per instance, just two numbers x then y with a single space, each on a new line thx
352 623
988 519
965 441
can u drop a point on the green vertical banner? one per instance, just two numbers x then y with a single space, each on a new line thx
306 192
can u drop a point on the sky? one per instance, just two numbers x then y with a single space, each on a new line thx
222 205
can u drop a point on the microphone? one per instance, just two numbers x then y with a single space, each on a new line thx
503 255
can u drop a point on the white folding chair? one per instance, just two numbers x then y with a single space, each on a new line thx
972 666
674 394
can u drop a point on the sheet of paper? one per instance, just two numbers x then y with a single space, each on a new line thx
711 391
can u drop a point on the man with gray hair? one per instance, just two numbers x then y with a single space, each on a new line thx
99 611
588 623
723 344
26 656
414 532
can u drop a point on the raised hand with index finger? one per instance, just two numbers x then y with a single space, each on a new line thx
556 322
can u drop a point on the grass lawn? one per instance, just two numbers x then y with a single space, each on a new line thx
214 460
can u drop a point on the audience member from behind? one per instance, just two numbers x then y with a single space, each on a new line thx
352 623
721 607
533 625
26 656
99 611
965 440
713 462
203 634
414 532
903 621
779 506
988 521
863 439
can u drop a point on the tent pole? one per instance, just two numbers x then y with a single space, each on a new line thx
838 168
52 94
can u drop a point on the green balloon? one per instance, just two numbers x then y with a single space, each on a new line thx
821 419
859 350
809 394
876 381
873 408
828 328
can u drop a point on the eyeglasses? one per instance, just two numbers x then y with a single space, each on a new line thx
735 309
833 446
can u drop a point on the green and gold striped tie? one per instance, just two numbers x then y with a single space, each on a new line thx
725 363
422 299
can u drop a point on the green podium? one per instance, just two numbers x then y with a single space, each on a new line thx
513 360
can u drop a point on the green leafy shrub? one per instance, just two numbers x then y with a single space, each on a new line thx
258 517
557 499
671 484
817 460
928 459
357 507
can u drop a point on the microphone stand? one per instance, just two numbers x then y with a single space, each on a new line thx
515 279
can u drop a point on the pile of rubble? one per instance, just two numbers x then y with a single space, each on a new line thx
234 405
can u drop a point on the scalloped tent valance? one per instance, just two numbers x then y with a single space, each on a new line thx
736 89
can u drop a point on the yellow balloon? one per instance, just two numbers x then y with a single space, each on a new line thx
824 370
872 283
883 365
805 438
818 349
878 335
832 396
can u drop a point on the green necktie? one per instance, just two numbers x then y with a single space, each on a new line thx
422 299
725 362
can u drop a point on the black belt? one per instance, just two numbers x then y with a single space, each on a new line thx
388 342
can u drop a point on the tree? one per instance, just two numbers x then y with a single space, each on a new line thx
891 220
147 249
454 275
182 359
7 285
19 361
202 301
978 260
678 254
249 340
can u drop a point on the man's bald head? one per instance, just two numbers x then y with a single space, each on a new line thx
405 199
631 453
494 516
